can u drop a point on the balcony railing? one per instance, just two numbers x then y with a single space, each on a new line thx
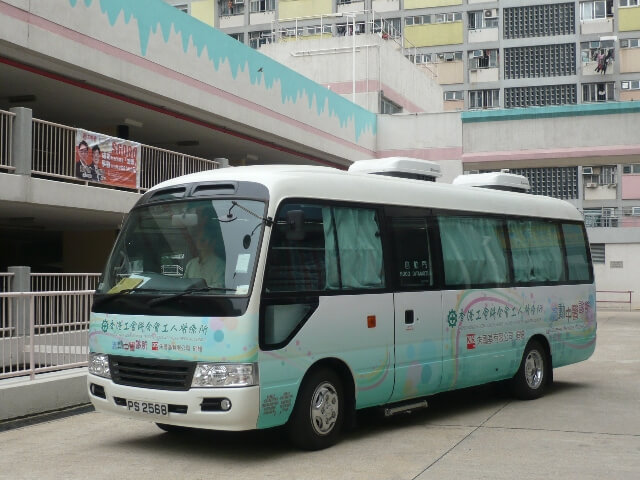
6 128
53 151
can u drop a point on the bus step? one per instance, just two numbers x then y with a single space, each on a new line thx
404 407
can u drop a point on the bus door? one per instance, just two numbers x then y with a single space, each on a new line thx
417 306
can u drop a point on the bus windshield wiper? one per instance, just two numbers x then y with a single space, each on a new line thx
189 291
112 296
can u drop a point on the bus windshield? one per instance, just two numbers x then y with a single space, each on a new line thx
201 247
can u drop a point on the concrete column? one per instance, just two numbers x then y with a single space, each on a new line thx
224 162
21 282
21 139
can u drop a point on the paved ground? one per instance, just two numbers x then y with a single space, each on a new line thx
587 427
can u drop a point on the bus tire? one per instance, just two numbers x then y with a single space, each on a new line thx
532 377
318 415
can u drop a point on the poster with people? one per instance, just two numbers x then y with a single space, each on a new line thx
104 159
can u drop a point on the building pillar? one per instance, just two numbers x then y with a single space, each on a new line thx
20 314
22 140
223 162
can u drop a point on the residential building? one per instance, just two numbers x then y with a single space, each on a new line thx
485 54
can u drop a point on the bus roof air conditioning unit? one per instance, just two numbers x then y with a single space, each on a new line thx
502 180
402 167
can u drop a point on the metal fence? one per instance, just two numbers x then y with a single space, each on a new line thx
58 345
53 152
53 155
614 299
49 311
6 328
6 126
158 165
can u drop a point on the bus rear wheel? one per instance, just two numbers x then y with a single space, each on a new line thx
317 418
531 379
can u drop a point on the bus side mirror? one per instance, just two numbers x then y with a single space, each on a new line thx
295 225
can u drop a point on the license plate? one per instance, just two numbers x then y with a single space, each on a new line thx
148 408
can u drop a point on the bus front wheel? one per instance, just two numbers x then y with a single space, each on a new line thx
317 418
531 379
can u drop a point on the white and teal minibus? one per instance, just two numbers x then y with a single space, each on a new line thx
253 297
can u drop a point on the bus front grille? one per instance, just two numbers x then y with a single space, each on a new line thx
151 373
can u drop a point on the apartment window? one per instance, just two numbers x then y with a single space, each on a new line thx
483 59
597 92
388 27
231 7
539 20
630 85
630 43
257 39
238 36
482 99
343 29
454 95
540 61
599 49
388 107
599 176
483 19
597 252
540 96
434 18
633 168
596 10
258 6
629 3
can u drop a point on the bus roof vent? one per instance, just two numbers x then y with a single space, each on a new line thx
402 167
502 180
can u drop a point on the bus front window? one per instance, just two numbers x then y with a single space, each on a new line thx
197 246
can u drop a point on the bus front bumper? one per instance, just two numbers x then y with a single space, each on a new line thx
196 408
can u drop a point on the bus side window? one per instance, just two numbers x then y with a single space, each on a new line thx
537 251
473 251
576 245
412 252
297 263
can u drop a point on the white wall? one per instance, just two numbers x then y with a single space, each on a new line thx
378 65
619 279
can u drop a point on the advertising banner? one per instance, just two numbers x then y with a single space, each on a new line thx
104 159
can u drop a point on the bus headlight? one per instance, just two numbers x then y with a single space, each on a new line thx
225 375
99 365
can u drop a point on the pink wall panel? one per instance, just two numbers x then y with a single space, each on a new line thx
630 187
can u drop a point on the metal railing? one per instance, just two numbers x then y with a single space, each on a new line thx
6 327
158 165
613 298
53 152
58 345
6 128
53 155
44 282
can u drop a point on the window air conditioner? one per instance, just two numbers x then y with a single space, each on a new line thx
587 170
238 2
635 211
477 54
592 185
